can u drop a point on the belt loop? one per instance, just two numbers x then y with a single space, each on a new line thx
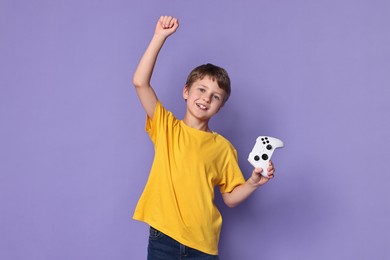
183 250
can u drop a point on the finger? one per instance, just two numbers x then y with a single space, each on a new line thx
257 170
175 22
171 21
167 22
270 173
163 21
271 167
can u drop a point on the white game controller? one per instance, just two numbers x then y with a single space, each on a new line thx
262 152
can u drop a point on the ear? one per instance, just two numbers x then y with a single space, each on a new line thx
186 90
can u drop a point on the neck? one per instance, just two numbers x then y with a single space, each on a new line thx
199 125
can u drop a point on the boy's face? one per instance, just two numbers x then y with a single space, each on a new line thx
204 98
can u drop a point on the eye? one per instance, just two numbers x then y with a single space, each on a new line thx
202 90
217 97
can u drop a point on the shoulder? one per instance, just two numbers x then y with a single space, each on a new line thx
162 112
162 120
224 143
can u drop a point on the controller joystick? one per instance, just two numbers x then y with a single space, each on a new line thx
262 152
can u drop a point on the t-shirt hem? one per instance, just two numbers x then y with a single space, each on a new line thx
173 236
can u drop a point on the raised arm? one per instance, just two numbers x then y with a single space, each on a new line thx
165 27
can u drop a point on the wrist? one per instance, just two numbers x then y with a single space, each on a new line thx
160 37
253 183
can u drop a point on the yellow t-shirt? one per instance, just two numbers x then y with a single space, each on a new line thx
178 198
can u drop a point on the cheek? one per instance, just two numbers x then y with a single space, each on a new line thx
192 95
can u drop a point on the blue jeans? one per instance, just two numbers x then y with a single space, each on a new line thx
162 247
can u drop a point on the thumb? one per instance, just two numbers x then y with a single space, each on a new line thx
257 170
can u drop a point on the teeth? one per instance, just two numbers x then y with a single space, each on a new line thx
201 106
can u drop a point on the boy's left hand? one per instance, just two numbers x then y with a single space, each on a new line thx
257 179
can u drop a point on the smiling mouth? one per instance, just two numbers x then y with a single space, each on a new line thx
203 107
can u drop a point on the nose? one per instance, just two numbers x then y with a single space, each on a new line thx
207 98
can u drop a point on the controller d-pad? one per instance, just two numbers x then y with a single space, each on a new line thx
264 157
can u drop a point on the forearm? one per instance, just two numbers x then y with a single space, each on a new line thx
239 193
146 65
243 191
165 27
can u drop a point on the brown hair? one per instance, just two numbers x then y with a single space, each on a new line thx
215 73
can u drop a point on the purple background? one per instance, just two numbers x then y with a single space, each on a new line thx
74 156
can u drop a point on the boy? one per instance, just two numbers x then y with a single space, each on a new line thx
190 160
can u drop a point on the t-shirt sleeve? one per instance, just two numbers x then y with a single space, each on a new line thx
152 124
232 175
157 125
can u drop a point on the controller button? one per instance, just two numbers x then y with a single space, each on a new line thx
264 157
269 147
257 158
